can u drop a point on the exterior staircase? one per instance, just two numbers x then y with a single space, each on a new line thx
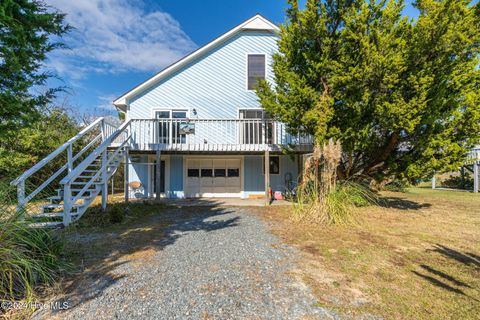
76 184
51 214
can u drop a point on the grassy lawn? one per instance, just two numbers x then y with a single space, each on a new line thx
415 257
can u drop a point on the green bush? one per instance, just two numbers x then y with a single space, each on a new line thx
397 186
29 258
456 182
116 214
356 194
95 217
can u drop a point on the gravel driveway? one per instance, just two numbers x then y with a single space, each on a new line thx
192 263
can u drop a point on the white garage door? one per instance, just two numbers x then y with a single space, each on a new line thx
213 178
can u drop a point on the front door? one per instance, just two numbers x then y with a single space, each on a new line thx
163 126
162 176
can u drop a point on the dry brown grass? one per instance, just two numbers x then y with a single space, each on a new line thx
415 257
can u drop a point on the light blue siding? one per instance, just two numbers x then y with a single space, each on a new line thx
214 84
254 179
176 177
253 174
139 172
288 167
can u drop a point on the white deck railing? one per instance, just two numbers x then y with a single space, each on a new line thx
214 135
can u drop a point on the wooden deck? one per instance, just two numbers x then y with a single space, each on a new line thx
214 135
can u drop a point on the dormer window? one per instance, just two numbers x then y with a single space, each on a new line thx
255 69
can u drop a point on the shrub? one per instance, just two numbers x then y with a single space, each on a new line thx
29 258
456 182
337 206
116 214
320 198
396 186
95 217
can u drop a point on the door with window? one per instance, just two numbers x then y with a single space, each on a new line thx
257 129
169 126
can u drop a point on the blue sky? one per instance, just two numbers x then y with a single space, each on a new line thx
117 44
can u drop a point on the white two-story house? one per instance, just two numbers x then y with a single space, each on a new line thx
195 129
202 117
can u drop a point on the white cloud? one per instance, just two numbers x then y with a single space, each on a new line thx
113 36
105 102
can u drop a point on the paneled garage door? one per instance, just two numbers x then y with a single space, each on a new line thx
213 178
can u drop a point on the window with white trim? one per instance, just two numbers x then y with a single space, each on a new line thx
255 70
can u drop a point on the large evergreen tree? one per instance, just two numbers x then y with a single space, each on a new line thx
402 95
27 30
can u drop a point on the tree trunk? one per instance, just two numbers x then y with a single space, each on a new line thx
385 153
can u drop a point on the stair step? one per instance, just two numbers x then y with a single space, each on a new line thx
98 165
52 215
58 205
86 182
78 190
90 171
51 224
58 198
85 177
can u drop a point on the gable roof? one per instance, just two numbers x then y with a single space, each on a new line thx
257 22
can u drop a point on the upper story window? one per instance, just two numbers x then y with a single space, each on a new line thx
255 69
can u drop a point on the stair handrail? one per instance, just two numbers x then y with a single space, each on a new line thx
55 153
94 154
19 182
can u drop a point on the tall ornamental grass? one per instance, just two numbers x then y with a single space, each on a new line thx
30 259
321 198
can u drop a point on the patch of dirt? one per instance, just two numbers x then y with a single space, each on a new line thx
325 281
140 257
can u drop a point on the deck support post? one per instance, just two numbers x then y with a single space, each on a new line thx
158 165
126 178
104 180
476 176
267 177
